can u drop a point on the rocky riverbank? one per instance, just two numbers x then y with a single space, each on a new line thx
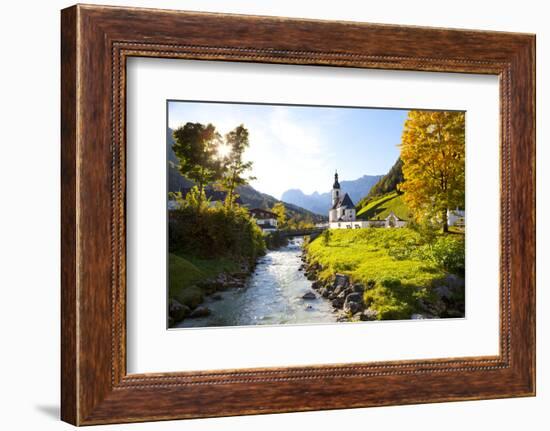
179 311
348 296
344 295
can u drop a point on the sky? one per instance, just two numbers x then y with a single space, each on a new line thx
300 147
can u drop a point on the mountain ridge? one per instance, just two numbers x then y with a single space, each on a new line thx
320 203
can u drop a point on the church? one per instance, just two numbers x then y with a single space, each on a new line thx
342 213
342 208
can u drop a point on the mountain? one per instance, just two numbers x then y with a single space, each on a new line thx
320 203
250 197
389 182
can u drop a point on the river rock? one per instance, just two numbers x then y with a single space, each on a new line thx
309 295
341 280
309 307
368 314
200 312
177 310
338 303
358 287
316 285
217 297
324 292
353 303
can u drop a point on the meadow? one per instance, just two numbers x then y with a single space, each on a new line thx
398 266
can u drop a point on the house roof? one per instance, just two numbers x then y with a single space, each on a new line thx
261 213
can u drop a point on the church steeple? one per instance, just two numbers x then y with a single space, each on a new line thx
335 190
336 184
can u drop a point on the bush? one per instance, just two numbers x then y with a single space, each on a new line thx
214 232
447 252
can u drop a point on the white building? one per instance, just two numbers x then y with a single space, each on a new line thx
342 214
456 217
264 219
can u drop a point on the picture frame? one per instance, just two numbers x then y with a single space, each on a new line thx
96 41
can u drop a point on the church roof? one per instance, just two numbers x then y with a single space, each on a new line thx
344 202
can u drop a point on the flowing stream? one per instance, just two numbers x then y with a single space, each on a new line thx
272 296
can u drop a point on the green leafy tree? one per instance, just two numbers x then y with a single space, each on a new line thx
280 210
236 142
196 146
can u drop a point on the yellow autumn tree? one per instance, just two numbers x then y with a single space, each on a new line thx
432 150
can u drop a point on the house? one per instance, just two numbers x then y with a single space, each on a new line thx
266 220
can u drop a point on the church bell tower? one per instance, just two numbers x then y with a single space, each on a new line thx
335 190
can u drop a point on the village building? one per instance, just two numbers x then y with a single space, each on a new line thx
266 220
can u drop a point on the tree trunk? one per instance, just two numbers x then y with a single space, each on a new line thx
445 221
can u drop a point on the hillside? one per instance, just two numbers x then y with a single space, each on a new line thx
380 207
250 197
320 202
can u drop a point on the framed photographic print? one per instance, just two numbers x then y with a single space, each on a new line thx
258 208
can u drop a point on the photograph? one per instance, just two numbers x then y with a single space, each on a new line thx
301 214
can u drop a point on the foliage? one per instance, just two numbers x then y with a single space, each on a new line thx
387 260
196 146
280 210
276 239
388 183
300 222
447 251
215 232
379 207
326 235
432 150
233 166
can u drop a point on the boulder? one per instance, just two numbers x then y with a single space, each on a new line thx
200 312
354 303
316 285
177 310
191 296
338 303
309 296
324 292
341 280
358 287
368 314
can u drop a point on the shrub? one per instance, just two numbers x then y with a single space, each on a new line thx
447 251
214 232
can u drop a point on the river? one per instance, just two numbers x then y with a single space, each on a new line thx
272 296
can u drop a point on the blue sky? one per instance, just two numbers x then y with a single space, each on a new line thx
301 147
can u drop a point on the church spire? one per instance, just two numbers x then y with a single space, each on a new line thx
336 184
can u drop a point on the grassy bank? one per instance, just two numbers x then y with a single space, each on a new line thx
397 265
186 271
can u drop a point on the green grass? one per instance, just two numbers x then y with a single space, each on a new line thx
380 257
380 207
185 271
